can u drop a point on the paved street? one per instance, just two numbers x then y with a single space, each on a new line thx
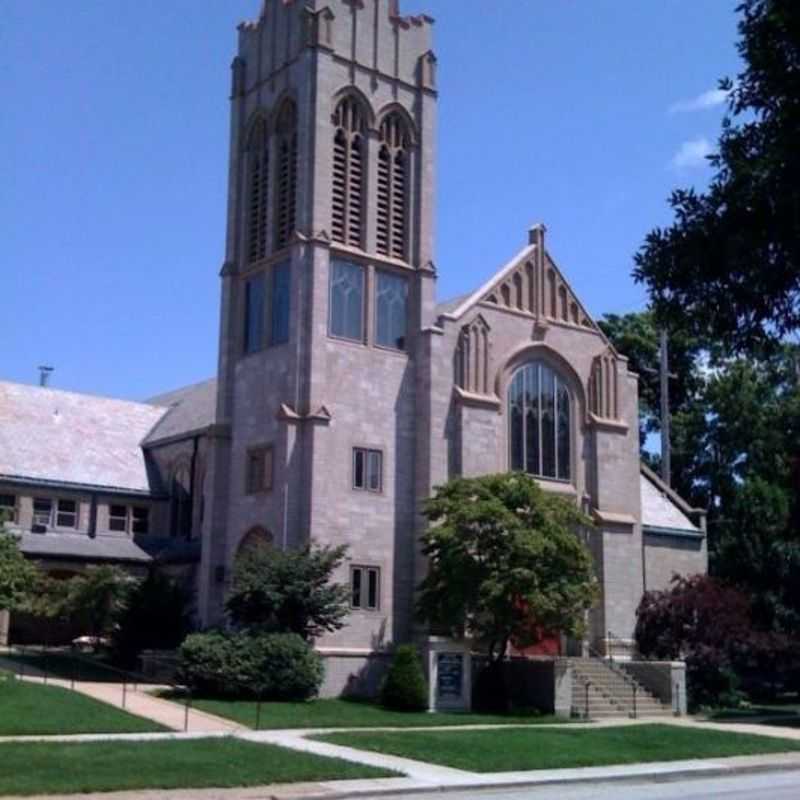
771 786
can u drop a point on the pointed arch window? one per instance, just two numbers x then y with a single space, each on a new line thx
540 422
349 166
257 191
392 199
286 186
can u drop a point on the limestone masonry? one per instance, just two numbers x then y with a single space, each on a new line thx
344 393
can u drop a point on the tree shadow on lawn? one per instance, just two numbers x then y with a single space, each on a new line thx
65 665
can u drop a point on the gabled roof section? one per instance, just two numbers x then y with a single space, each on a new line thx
530 284
191 409
48 435
663 511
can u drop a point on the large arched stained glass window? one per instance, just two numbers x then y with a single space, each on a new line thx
540 419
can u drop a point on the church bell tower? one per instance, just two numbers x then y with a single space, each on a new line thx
327 284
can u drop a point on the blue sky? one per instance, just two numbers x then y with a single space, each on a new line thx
113 152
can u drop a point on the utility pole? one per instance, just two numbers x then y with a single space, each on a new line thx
664 376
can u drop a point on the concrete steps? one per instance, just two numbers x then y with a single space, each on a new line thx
599 690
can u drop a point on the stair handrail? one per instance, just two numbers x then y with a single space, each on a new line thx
642 663
617 670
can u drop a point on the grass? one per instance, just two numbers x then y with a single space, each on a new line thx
338 713
530 749
31 708
777 715
50 768
64 665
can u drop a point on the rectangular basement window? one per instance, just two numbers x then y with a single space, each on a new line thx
8 508
67 515
364 588
118 518
42 510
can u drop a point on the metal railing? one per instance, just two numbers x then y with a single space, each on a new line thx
653 674
609 662
66 667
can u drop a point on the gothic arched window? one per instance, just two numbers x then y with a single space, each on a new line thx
349 167
286 186
540 422
393 187
255 539
257 191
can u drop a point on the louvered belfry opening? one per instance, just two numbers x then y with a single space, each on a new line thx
258 191
392 222
286 188
347 208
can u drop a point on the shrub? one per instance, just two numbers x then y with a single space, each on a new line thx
405 687
708 624
272 666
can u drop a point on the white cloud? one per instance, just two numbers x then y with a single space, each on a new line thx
692 154
709 99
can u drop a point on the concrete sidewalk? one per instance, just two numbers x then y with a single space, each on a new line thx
137 698
339 790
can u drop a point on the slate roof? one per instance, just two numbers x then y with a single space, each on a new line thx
660 512
448 306
81 547
49 435
191 408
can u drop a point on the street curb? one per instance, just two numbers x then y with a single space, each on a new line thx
651 777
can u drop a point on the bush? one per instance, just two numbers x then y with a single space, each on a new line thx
405 687
156 617
272 666
706 623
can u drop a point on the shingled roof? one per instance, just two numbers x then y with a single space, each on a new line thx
52 436
662 510
191 409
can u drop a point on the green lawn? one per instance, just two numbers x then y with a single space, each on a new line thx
336 713
549 748
31 708
47 768
778 715
65 665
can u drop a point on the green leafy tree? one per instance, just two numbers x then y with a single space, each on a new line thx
156 616
17 574
505 562
98 597
728 268
636 336
288 591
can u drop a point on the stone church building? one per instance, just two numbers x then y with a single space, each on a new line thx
345 391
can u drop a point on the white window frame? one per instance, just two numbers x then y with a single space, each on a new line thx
76 513
370 455
13 508
125 518
38 520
